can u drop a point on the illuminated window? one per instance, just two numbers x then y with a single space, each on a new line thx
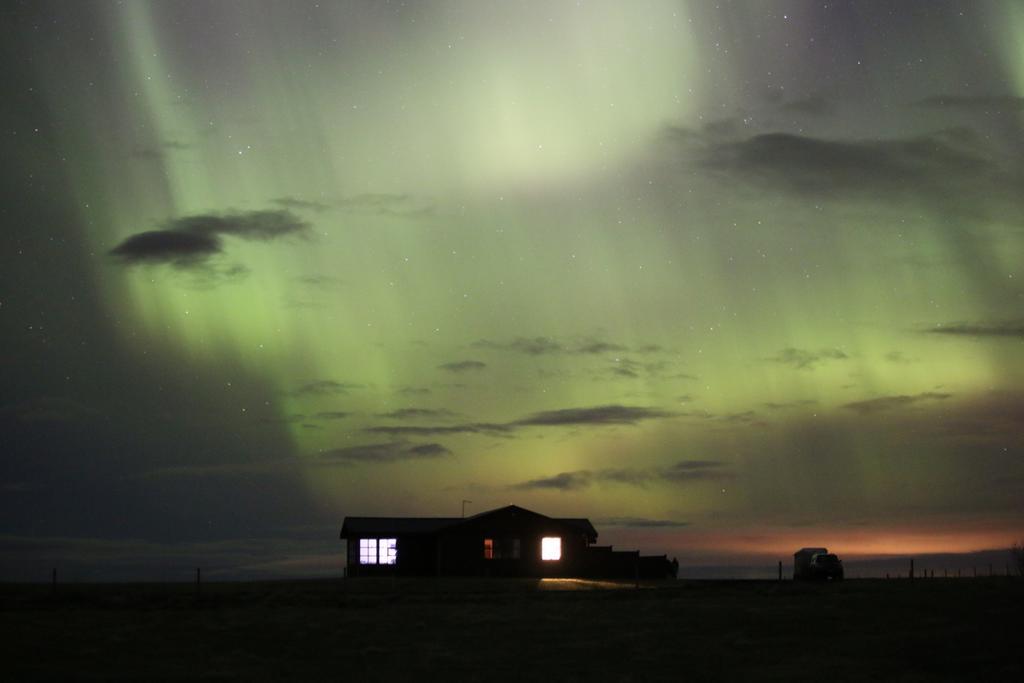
488 548
367 551
378 551
551 548
387 550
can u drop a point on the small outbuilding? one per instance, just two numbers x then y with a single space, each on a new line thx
508 541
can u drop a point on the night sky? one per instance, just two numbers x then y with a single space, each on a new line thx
726 278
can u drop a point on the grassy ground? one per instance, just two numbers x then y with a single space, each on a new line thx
518 630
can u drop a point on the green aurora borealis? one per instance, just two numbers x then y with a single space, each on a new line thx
680 267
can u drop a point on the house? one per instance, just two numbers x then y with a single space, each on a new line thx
508 541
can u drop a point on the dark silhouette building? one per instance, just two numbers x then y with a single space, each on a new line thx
508 541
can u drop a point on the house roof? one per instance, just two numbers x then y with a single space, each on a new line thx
370 526
380 526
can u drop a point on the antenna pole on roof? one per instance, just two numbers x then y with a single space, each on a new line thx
464 507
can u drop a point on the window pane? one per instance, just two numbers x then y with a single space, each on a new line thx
488 548
388 550
367 551
551 548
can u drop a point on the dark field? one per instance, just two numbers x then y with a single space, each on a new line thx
968 629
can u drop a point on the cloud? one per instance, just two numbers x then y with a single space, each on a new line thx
252 225
690 470
595 347
416 430
640 523
804 359
889 403
599 415
416 413
191 241
953 171
322 387
1006 328
564 481
413 391
180 249
974 102
463 366
541 346
786 405
300 204
317 280
682 471
389 452
531 346
331 415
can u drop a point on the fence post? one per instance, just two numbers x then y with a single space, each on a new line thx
780 570
911 569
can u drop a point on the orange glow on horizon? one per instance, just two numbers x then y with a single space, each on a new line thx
851 542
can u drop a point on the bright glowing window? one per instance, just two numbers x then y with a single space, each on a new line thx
378 551
488 548
367 551
387 551
551 548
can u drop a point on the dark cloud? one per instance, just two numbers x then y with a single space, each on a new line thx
595 347
191 241
416 413
253 225
325 386
532 346
300 204
393 451
564 481
805 359
413 391
627 367
599 415
316 280
1006 328
888 403
331 415
953 170
180 249
680 472
974 102
541 346
640 523
416 430
691 470
462 366
786 405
